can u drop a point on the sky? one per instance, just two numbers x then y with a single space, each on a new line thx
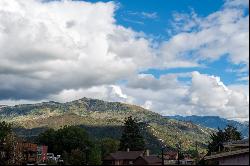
174 57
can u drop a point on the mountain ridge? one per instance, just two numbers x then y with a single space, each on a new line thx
100 115
215 122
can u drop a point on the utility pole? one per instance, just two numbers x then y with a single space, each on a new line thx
197 153
178 152
162 157
178 156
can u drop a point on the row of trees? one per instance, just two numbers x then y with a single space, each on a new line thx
74 144
77 147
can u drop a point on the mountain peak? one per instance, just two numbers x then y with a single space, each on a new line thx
101 114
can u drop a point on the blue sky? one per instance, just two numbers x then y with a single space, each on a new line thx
164 10
129 14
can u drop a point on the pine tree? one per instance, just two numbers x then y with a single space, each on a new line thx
131 136
230 133
5 129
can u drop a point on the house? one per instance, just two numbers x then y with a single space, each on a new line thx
148 160
235 153
132 158
122 157
29 151
21 152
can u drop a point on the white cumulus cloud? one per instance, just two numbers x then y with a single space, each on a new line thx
65 50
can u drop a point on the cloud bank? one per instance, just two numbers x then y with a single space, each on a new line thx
65 50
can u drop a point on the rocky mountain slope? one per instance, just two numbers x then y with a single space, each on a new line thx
104 119
215 122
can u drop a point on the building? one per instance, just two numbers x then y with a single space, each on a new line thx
148 160
131 158
122 157
16 151
42 153
234 153
29 151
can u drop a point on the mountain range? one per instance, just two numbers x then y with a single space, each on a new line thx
105 119
215 122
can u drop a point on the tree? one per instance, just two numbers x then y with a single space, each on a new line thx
108 145
94 155
230 133
5 129
8 143
131 136
73 143
76 157
48 138
71 137
65 139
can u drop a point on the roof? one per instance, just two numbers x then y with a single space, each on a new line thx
226 154
152 159
124 155
238 143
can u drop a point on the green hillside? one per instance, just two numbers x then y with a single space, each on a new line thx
104 119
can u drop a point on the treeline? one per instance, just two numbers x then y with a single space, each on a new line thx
75 145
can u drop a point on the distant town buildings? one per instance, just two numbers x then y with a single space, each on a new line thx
21 152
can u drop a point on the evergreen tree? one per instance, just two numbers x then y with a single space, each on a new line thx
216 144
94 157
108 145
230 133
131 136
7 141
5 129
